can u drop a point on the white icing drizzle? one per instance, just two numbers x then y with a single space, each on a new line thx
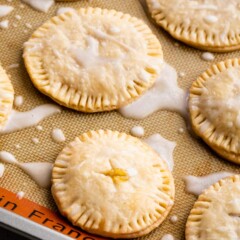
164 95
137 131
39 128
42 5
173 219
65 9
18 101
20 195
167 237
132 172
2 169
101 35
207 56
196 185
181 130
7 157
18 17
4 24
35 140
90 56
210 19
17 146
21 120
40 172
58 135
163 147
28 25
14 65
181 74
5 10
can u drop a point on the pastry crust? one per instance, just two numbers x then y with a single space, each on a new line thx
112 184
215 215
211 25
6 97
93 59
214 108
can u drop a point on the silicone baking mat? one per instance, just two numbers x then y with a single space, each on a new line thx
191 156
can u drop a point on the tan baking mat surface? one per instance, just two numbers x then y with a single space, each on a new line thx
191 156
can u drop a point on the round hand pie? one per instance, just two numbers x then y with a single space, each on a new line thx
214 108
215 215
93 59
212 25
111 184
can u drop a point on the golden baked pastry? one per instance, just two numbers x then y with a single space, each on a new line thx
93 59
6 97
112 184
212 25
215 215
214 108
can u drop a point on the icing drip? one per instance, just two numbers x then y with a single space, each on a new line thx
164 95
137 131
167 237
12 66
42 5
163 147
196 185
21 120
58 135
40 172
173 219
4 24
90 57
207 56
20 195
5 10
2 169
18 101
7 157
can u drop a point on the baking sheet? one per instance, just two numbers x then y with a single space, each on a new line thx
191 156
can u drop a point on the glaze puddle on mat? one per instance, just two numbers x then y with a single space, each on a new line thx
173 219
21 120
40 5
137 131
2 169
18 101
20 195
163 147
5 10
196 185
167 237
40 172
164 95
58 135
